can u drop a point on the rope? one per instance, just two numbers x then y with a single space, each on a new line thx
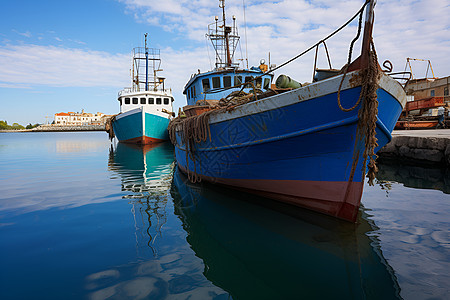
109 128
349 59
193 130
367 116
369 112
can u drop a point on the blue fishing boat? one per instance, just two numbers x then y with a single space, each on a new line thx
146 107
309 145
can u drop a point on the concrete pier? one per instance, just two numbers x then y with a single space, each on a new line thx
419 147
53 128
69 128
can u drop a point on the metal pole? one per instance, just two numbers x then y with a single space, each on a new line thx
146 64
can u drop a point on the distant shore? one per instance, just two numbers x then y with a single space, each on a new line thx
57 128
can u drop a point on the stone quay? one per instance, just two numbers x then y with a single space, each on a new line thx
430 147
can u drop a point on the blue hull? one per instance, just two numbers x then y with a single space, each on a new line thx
140 127
300 153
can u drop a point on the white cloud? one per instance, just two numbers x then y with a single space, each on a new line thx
25 34
287 27
28 65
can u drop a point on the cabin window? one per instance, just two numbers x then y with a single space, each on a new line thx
151 100
216 82
248 79
237 80
206 86
258 82
120 101
127 100
166 101
226 81
446 91
189 93
266 83
135 100
158 100
432 93
143 100
193 92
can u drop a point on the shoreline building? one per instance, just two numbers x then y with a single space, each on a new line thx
429 87
77 119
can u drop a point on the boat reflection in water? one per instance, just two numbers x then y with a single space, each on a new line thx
421 177
143 168
146 172
256 252
165 267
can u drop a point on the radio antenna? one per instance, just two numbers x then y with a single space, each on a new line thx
245 33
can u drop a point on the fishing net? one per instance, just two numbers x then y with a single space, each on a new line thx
196 129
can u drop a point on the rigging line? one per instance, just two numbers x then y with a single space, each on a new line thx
207 49
245 34
315 45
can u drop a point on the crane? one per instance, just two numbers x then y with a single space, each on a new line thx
408 63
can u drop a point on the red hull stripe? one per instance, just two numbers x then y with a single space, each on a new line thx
144 140
339 199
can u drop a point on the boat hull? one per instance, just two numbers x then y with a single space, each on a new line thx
416 124
297 147
140 127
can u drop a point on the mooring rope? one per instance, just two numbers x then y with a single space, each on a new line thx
109 128
367 117
368 113
349 59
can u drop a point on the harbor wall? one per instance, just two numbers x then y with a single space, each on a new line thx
44 128
417 149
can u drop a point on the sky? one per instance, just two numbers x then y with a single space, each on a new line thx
59 56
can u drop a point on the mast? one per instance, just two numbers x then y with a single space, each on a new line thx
146 64
362 61
367 37
227 33
146 60
224 39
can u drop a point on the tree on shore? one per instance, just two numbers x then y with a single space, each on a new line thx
3 125
29 126
15 126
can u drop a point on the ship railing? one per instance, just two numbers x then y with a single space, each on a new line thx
139 52
400 76
126 91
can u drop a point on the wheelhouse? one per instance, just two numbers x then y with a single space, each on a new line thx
215 85
130 101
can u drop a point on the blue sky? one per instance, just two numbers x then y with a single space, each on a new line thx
59 56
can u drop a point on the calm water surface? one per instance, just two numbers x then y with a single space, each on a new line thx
81 218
